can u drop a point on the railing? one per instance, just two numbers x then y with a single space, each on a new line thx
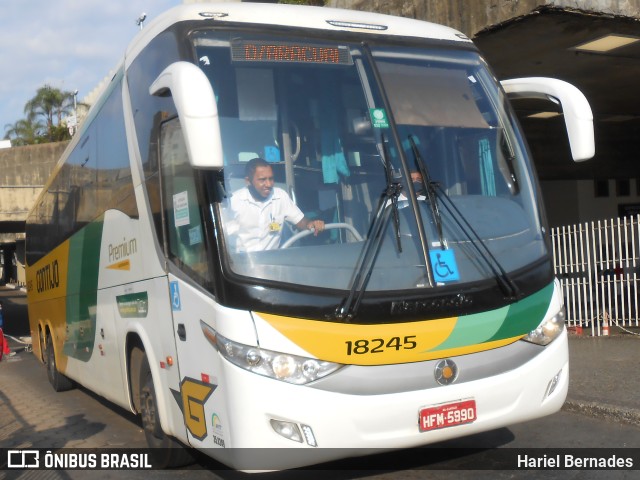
598 264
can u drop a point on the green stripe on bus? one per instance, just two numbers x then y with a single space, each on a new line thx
475 328
526 314
506 322
82 290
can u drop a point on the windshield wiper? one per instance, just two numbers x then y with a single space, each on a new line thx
429 189
367 259
394 187
506 283
434 191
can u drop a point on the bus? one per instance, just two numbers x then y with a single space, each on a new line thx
423 311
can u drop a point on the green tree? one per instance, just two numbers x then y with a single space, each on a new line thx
43 122
51 104
27 131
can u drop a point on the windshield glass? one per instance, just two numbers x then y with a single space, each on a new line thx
338 129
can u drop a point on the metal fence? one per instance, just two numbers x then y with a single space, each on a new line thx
598 264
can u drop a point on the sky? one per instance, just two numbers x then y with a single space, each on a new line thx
67 44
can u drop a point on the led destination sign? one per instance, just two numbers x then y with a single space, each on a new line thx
264 51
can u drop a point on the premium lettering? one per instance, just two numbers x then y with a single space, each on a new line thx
122 250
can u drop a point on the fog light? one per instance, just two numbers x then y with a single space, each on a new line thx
287 430
553 383
309 436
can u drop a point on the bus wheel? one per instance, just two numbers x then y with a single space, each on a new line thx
166 452
41 344
58 381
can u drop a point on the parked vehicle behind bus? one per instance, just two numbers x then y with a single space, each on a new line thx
421 313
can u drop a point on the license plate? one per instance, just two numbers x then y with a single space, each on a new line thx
447 415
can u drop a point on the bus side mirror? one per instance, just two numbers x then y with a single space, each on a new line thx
577 112
197 110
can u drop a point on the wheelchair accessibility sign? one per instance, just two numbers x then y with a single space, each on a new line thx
176 304
444 266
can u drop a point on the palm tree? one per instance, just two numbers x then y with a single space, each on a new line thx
50 103
25 132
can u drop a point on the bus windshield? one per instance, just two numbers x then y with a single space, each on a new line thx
408 154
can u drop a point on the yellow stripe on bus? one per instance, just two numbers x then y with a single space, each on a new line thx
47 298
122 265
378 344
47 278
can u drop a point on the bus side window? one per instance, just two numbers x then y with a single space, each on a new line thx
185 235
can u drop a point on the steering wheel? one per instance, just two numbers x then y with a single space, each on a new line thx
327 226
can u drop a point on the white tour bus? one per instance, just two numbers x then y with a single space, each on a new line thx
423 312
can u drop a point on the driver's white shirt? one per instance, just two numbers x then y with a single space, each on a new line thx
258 225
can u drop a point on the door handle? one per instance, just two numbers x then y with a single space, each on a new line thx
182 332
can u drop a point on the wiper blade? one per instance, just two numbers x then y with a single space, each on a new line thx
367 259
434 191
394 187
429 188
506 283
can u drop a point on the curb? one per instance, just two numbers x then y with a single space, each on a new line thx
15 286
629 416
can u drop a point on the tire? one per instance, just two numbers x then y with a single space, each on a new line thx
43 349
166 452
58 381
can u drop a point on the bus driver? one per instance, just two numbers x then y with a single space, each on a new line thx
258 211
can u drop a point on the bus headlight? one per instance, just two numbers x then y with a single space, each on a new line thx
279 366
547 331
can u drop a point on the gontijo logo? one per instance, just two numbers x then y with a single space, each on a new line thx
194 395
48 277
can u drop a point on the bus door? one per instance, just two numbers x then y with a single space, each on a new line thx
184 248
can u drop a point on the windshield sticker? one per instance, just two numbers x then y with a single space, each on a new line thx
271 154
379 118
195 235
444 265
181 209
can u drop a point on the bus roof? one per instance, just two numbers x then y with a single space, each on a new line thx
297 16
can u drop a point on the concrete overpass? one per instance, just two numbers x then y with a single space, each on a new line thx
23 173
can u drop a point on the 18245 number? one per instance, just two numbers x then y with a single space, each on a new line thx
379 345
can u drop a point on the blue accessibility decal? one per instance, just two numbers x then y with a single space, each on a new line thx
444 265
271 154
176 305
